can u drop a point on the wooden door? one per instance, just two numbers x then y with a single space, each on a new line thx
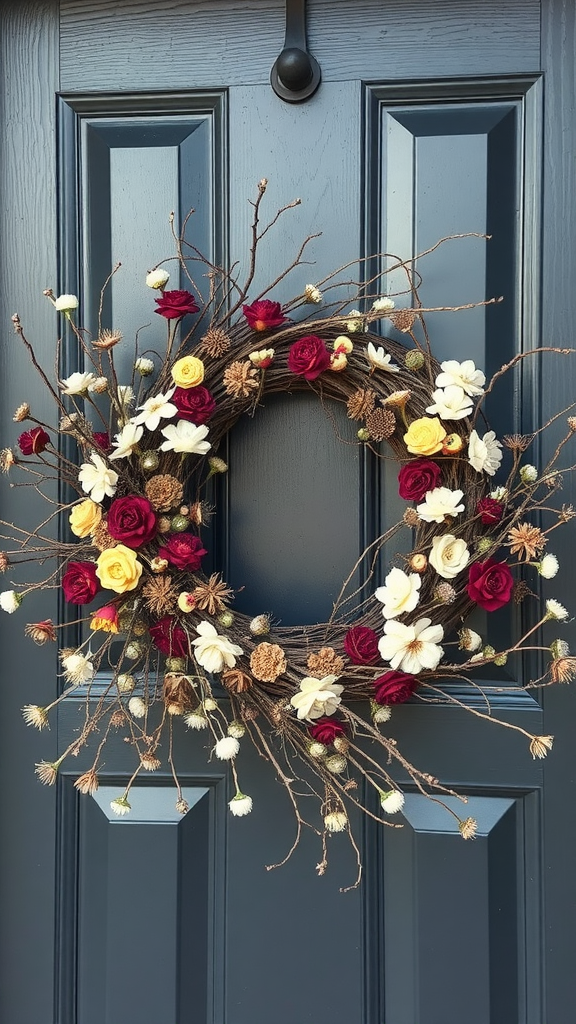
432 118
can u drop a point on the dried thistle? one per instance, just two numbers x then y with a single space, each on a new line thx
526 541
22 413
267 662
179 694
117 719
410 517
540 745
215 343
381 424
164 492
47 772
445 593
160 596
520 591
403 319
517 442
212 595
566 513
107 339
325 663
101 538
149 762
236 681
4 561
7 460
201 512
361 403
40 632
87 783
468 828
239 379
563 670
36 716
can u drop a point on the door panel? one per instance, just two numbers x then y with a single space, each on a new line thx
429 121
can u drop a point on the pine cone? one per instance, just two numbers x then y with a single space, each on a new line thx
361 403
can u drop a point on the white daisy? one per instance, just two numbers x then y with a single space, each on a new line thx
555 610
317 697
450 403
156 408
484 453
379 359
411 648
126 441
399 593
77 383
97 480
184 436
78 668
439 503
464 375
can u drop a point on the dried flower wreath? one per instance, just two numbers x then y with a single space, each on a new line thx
296 692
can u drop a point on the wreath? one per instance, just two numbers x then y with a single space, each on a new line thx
477 520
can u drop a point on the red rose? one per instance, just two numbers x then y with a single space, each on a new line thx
264 314
31 442
182 550
361 645
102 439
175 304
80 582
194 404
394 688
132 521
308 357
489 510
418 477
325 730
490 584
169 637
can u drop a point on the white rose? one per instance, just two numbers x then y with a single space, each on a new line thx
449 555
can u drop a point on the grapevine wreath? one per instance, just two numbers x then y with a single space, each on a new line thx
476 525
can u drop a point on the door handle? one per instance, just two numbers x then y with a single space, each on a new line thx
296 74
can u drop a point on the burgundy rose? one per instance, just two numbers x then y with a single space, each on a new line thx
80 582
175 304
489 510
394 687
31 442
194 404
361 645
264 314
325 730
418 477
490 584
132 521
182 550
308 357
169 637
102 439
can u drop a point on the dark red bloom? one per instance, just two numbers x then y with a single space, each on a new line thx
361 645
169 637
489 510
264 314
183 550
175 304
417 477
325 730
490 584
132 521
31 442
102 439
394 687
80 582
194 404
308 357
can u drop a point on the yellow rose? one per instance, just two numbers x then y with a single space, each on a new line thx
118 569
425 436
188 372
85 517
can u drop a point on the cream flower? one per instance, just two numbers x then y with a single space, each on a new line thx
484 454
412 648
439 503
213 651
555 610
66 303
450 403
356 323
144 366
528 474
158 407
379 359
463 375
184 436
399 593
78 668
469 640
10 601
97 480
449 555
391 801
262 358
126 395
227 748
313 294
240 805
120 806
383 305
317 697
157 278
548 567
77 383
126 441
